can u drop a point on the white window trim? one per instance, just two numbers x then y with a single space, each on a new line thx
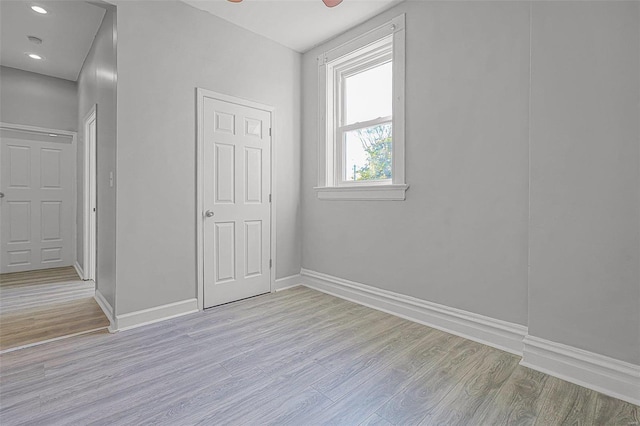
330 183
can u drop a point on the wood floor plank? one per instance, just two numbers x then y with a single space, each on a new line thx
132 338
307 403
474 391
78 385
369 350
284 345
375 420
254 405
359 370
41 276
422 392
518 402
30 290
358 405
193 405
565 403
611 411
268 360
130 397
50 322
339 344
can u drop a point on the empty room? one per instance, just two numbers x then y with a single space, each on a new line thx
308 212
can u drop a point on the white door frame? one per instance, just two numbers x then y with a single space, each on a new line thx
201 94
73 135
90 195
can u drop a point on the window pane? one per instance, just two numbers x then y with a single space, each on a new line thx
368 94
367 153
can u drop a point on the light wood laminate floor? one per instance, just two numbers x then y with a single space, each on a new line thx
41 276
296 357
53 321
22 291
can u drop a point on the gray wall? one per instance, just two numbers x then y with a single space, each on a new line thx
462 236
97 86
37 100
585 177
165 51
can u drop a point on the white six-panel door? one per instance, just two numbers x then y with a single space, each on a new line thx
37 213
237 211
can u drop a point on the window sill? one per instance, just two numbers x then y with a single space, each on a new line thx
363 193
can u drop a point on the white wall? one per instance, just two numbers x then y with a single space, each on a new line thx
166 50
37 100
97 86
585 177
461 238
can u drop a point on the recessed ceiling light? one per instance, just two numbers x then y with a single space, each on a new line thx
34 39
53 135
34 56
39 9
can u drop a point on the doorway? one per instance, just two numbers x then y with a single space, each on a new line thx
235 201
37 198
90 195
44 242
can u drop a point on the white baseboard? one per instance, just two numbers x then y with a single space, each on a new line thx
594 371
600 373
489 331
287 282
79 270
106 308
155 314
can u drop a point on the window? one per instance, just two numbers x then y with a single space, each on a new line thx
361 152
364 132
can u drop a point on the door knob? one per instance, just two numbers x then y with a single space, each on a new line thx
209 213
1 194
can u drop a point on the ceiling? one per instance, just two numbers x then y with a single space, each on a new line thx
67 31
69 27
297 24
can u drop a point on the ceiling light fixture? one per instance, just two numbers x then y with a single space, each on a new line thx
328 3
34 56
39 9
34 39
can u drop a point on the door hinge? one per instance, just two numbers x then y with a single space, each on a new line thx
270 263
269 197
269 131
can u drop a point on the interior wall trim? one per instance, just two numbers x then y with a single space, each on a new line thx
155 314
287 282
600 373
489 331
79 270
597 372
106 308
